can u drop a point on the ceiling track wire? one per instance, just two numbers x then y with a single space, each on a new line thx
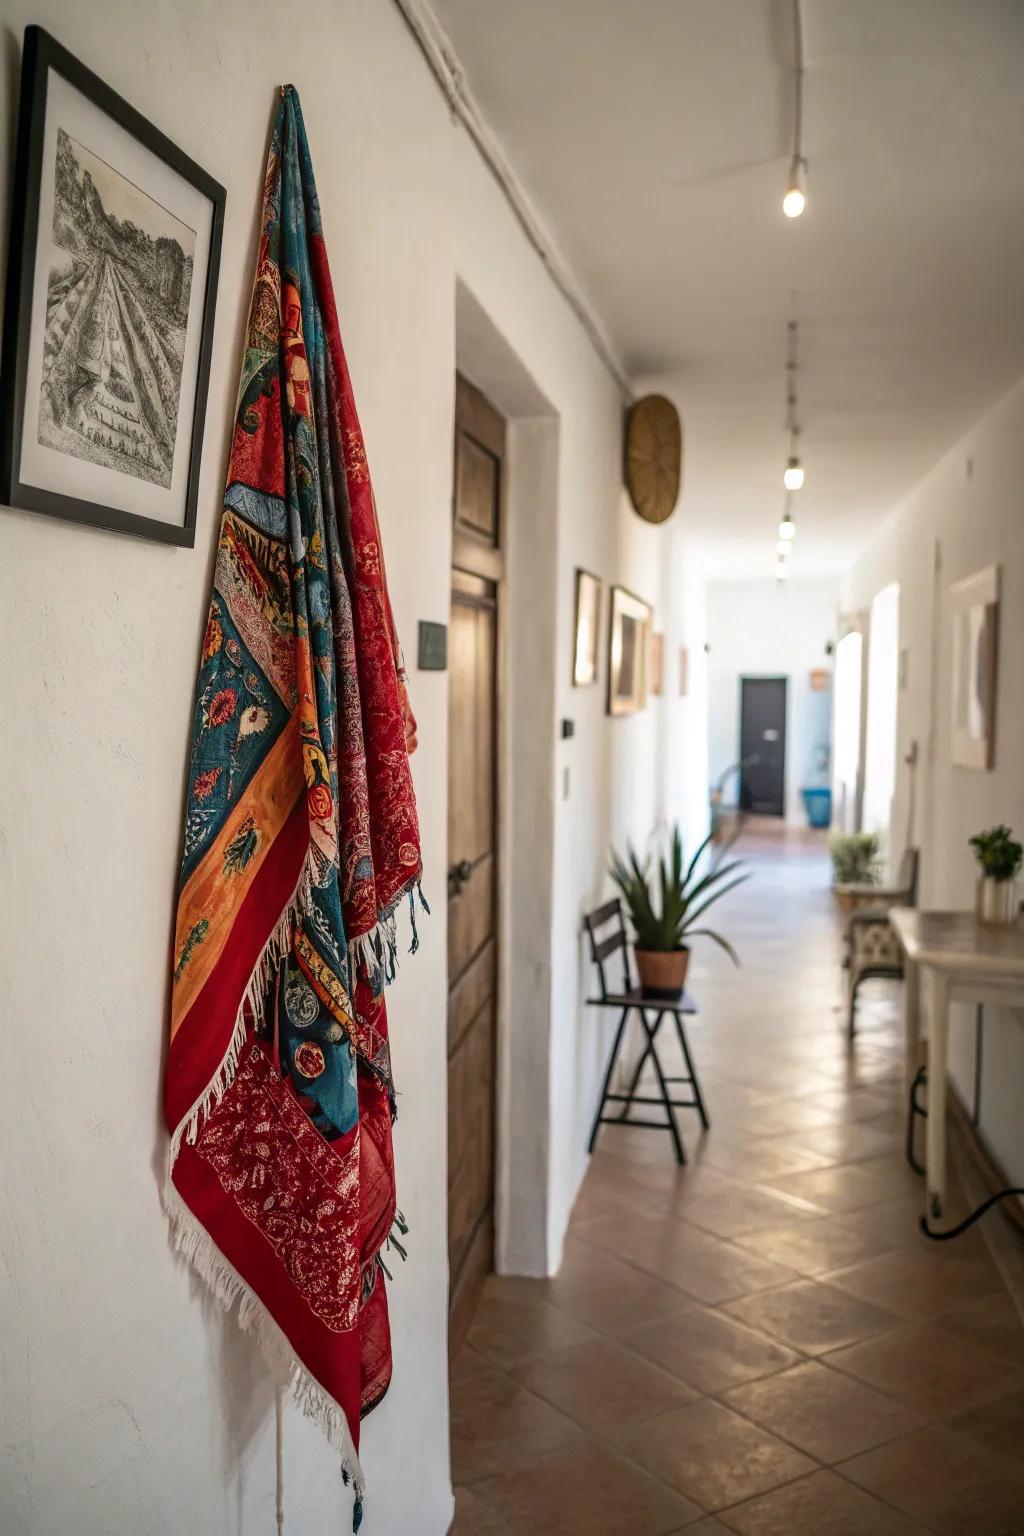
799 162
447 70
792 368
798 169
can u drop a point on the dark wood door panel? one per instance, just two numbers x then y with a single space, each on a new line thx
471 1134
469 994
479 449
476 491
472 854
471 917
471 652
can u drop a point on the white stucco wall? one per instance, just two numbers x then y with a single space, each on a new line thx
650 768
764 629
128 1405
969 511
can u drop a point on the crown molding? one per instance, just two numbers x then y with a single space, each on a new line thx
437 49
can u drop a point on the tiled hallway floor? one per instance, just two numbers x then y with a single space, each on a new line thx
760 1342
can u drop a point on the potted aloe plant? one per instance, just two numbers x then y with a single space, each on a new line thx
855 864
665 909
1000 858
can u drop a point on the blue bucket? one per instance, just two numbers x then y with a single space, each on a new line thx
818 804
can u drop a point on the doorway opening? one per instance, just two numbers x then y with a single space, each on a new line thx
478 570
763 745
518 558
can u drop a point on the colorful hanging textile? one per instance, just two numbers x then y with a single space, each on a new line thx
300 843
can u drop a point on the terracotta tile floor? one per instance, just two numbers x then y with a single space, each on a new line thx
761 1342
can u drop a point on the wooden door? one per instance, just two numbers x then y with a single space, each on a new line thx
763 745
472 848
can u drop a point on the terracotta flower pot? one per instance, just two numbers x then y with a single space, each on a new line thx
662 972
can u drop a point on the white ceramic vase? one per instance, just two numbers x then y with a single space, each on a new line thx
997 900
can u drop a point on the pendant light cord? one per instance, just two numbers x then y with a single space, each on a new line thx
798 105
792 366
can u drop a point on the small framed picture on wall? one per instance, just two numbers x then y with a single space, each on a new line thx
628 652
588 629
657 665
108 324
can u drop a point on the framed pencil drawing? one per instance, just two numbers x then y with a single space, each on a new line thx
108 324
587 629
628 651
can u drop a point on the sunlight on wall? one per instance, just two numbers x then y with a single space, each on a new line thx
846 726
883 685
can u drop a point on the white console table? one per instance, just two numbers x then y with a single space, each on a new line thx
950 958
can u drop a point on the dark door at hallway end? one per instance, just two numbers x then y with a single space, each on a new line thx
763 745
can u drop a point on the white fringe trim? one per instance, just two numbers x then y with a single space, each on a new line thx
252 1004
375 953
227 1286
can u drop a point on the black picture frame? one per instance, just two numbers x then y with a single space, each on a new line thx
41 56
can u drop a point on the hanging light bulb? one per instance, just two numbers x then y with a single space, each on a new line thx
787 529
795 200
793 475
782 548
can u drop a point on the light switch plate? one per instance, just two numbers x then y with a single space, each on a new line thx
432 651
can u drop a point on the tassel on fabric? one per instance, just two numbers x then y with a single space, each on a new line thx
374 955
391 1241
357 1505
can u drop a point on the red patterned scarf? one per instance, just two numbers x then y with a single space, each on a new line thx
300 843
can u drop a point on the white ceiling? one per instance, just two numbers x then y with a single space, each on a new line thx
654 136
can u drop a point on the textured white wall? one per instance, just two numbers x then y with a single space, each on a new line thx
968 512
762 628
128 1406
625 776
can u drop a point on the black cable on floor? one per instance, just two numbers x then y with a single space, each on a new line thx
968 1221
915 1109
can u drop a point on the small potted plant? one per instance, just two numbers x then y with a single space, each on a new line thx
1000 858
854 866
664 919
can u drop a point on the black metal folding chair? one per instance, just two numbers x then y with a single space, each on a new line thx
631 999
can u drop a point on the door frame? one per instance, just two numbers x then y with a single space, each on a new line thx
767 677
526 693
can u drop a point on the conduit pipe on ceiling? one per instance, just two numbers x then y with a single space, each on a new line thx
795 200
444 63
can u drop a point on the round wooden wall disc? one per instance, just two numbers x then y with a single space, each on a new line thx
654 457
